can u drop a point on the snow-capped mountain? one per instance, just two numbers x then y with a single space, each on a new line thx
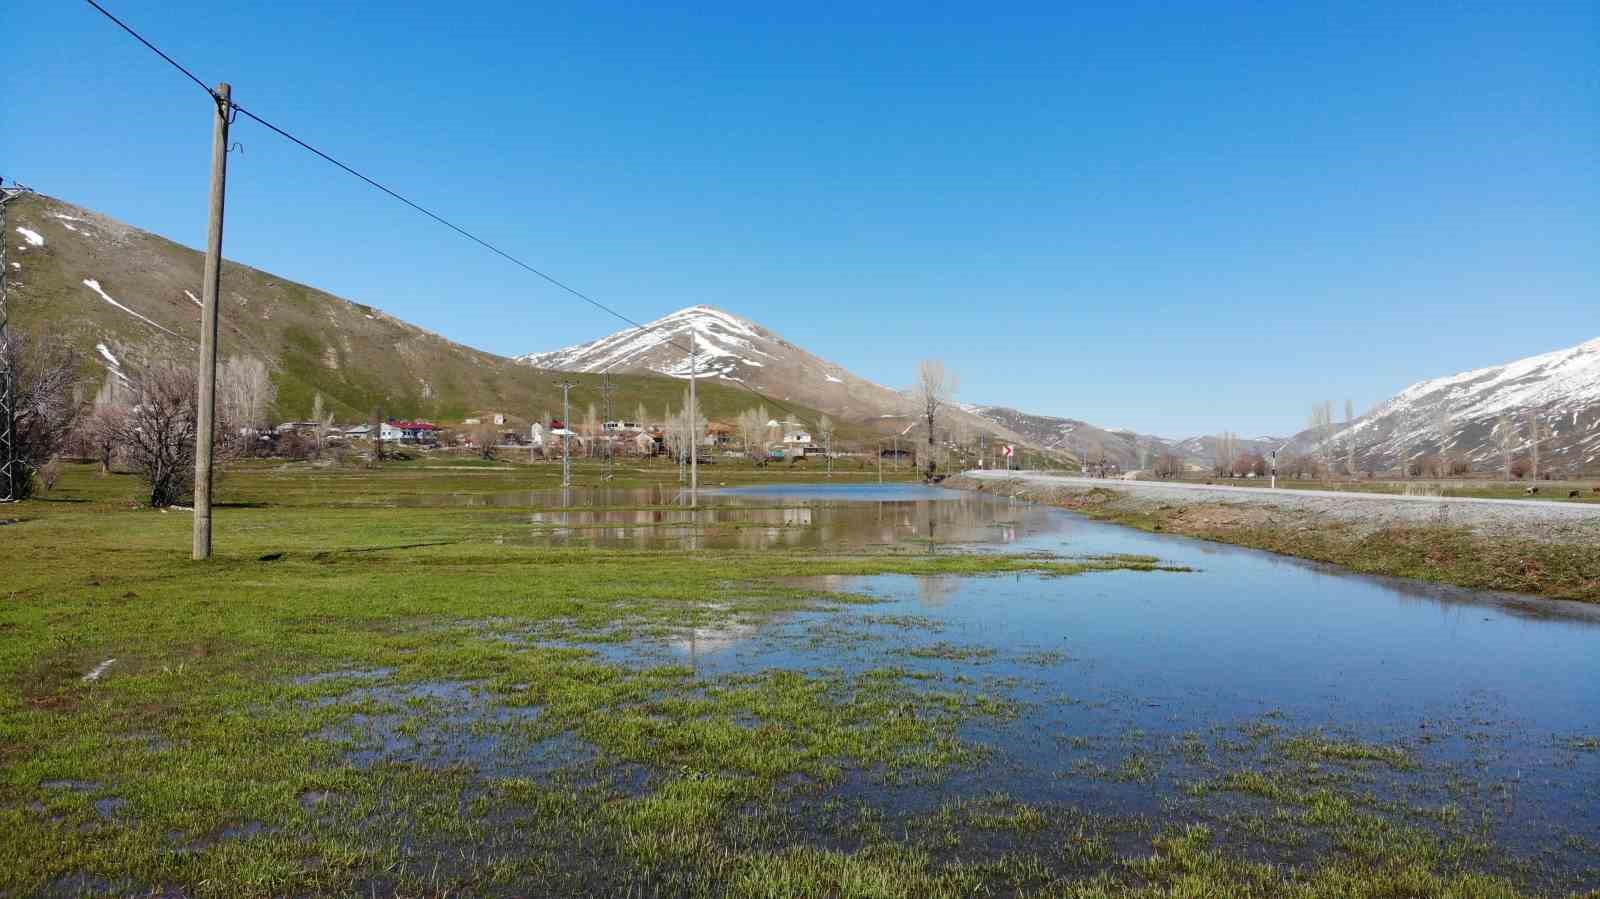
729 348
1560 390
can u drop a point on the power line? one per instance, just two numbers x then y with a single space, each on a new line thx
153 48
374 183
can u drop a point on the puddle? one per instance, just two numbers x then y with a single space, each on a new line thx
450 723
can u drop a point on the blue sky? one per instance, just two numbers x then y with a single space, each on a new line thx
1175 218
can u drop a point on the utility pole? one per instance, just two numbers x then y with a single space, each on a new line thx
605 392
10 466
566 425
694 420
205 432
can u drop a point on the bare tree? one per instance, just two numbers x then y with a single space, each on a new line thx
1321 423
1535 437
1441 430
487 437
321 419
158 434
1505 432
640 417
1350 438
1227 451
375 422
244 399
825 433
45 374
751 428
101 428
1168 465
934 392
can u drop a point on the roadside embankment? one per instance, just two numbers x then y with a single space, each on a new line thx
1548 549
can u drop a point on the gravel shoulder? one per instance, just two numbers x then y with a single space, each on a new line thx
1526 519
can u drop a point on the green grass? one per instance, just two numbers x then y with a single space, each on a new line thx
509 750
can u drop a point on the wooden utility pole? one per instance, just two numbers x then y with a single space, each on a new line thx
205 431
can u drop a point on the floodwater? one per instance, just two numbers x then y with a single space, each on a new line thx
878 516
1496 697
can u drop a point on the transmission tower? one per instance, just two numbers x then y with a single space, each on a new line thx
11 467
566 425
605 392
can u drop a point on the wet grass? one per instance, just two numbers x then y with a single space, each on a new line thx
1440 553
394 703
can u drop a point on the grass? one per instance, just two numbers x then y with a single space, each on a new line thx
1469 488
355 697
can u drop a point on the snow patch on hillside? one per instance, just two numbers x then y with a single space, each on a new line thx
94 285
34 238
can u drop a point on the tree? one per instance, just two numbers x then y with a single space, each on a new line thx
1249 464
1168 465
825 433
375 422
1441 431
1535 436
1349 438
487 437
1227 451
591 429
1321 423
101 428
1505 433
158 434
640 416
934 391
322 421
244 398
45 374
751 429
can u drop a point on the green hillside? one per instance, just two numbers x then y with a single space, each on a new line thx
356 356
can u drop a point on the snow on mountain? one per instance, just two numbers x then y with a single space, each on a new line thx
726 345
736 349
1560 390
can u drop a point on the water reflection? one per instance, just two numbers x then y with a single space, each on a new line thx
907 519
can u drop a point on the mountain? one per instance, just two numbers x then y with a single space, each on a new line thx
1561 389
123 296
1127 449
735 349
730 348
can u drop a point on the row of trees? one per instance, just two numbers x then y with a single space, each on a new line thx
148 421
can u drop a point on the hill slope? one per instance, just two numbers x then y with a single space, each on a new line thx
123 296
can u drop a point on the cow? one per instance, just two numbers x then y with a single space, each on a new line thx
1572 494
1531 491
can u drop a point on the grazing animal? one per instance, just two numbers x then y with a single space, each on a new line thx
1532 490
1572 494
1597 490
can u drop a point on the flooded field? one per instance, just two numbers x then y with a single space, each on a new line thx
1225 694
867 690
